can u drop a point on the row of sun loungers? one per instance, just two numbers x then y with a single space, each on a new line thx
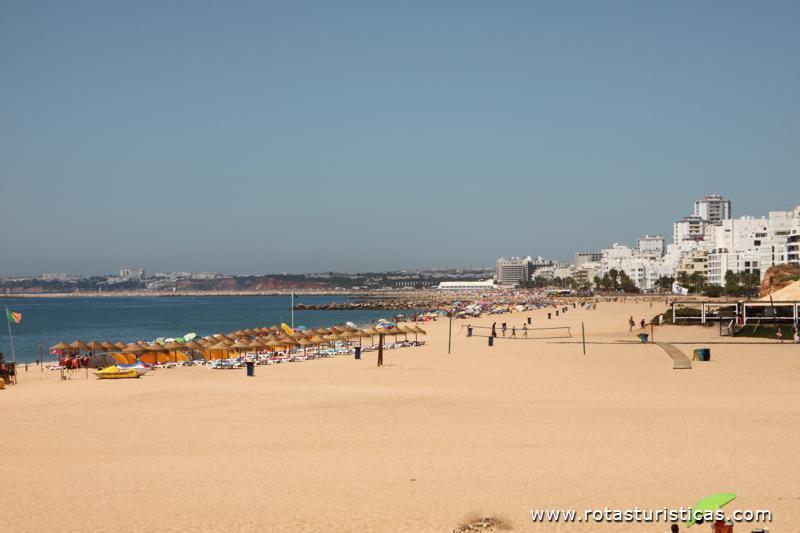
293 356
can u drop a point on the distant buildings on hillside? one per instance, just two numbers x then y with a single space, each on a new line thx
708 242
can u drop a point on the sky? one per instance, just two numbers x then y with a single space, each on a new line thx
255 137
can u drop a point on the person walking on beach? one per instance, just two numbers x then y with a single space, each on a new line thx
513 331
525 331
631 323
503 329
642 323
779 334
494 329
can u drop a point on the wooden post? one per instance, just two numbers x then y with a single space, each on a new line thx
450 333
583 336
380 349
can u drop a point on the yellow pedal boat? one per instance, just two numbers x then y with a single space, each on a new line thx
113 372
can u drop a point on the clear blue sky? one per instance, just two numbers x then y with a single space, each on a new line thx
248 137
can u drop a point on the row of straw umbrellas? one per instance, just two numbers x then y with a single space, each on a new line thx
266 338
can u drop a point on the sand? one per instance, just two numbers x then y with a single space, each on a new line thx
423 444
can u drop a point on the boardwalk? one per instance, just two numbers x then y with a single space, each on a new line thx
679 361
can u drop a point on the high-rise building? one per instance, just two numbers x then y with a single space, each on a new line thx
514 270
713 208
132 273
710 211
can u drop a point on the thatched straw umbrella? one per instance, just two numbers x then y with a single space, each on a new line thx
274 343
172 348
333 337
363 335
193 346
80 346
156 349
94 346
348 335
108 346
61 346
120 345
371 332
133 348
241 344
288 341
219 347
305 343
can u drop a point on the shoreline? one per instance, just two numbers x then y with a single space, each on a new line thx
192 294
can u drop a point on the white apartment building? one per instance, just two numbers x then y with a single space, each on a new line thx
713 208
651 246
719 264
644 271
581 258
689 228
585 273
774 248
793 248
513 270
556 270
710 211
734 245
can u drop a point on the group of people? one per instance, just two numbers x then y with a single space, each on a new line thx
632 323
795 334
74 362
504 329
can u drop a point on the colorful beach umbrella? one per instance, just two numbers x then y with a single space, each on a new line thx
710 504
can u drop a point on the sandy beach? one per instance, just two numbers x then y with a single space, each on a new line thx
425 443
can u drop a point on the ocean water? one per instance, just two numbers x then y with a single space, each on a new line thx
47 321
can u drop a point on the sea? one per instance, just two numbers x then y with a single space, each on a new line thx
47 321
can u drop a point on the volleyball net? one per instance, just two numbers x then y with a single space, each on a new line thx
519 333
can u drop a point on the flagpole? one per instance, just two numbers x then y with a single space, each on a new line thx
11 340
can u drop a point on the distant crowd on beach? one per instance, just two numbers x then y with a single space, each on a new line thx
71 362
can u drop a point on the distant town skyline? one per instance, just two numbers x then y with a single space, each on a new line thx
313 137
